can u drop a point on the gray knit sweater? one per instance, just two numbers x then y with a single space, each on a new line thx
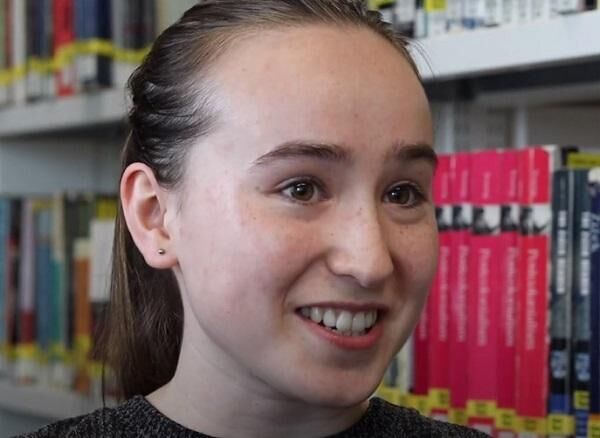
138 418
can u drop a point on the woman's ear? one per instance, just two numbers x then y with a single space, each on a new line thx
144 204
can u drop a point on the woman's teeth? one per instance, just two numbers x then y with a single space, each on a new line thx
341 321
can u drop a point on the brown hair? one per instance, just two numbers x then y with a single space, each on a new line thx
170 109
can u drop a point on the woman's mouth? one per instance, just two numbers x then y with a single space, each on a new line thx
341 322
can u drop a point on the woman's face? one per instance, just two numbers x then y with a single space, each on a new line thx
308 206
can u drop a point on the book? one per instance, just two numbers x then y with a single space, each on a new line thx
4 307
475 14
581 310
560 420
439 378
594 390
483 300
25 370
43 286
18 50
435 17
404 17
509 261
64 37
494 13
459 284
102 229
82 313
35 33
455 14
4 88
536 165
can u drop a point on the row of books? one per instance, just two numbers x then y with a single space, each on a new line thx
52 48
430 18
510 340
55 259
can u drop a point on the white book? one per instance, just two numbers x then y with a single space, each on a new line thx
475 13
569 6
420 21
509 12
101 238
25 366
435 20
494 12
455 13
524 11
121 68
541 9
19 50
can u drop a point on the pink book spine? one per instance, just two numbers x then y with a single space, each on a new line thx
509 258
459 268
483 293
439 395
533 290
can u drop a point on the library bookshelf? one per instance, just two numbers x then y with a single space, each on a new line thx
60 140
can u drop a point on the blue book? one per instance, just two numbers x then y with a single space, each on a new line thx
559 402
43 277
594 191
4 236
580 353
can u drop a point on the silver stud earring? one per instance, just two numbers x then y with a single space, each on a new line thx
161 251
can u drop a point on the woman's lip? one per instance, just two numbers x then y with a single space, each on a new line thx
363 342
351 307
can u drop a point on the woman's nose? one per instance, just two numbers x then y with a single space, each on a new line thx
359 249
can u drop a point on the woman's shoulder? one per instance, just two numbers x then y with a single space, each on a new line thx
127 419
385 420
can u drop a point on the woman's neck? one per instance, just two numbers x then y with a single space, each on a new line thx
215 400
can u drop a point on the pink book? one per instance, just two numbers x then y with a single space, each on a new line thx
439 383
509 259
483 295
531 379
459 283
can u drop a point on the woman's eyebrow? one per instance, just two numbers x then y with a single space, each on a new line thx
407 152
404 152
305 149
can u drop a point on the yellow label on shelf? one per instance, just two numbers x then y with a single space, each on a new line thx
458 416
506 419
65 56
389 394
435 5
583 161
439 398
560 424
481 408
94 369
532 425
376 4
420 403
581 400
26 351
594 426
404 400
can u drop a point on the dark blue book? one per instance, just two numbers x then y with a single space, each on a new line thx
594 389
561 283
580 353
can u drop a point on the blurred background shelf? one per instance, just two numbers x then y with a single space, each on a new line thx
84 110
557 41
45 403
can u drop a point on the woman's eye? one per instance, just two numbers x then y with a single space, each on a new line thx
406 195
302 191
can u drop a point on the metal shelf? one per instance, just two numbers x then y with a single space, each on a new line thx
46 403
560 40
75 112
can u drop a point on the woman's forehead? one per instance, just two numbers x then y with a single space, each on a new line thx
324 83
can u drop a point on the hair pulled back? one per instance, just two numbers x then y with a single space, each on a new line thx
170 111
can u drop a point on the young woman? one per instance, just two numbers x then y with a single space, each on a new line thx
276 238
